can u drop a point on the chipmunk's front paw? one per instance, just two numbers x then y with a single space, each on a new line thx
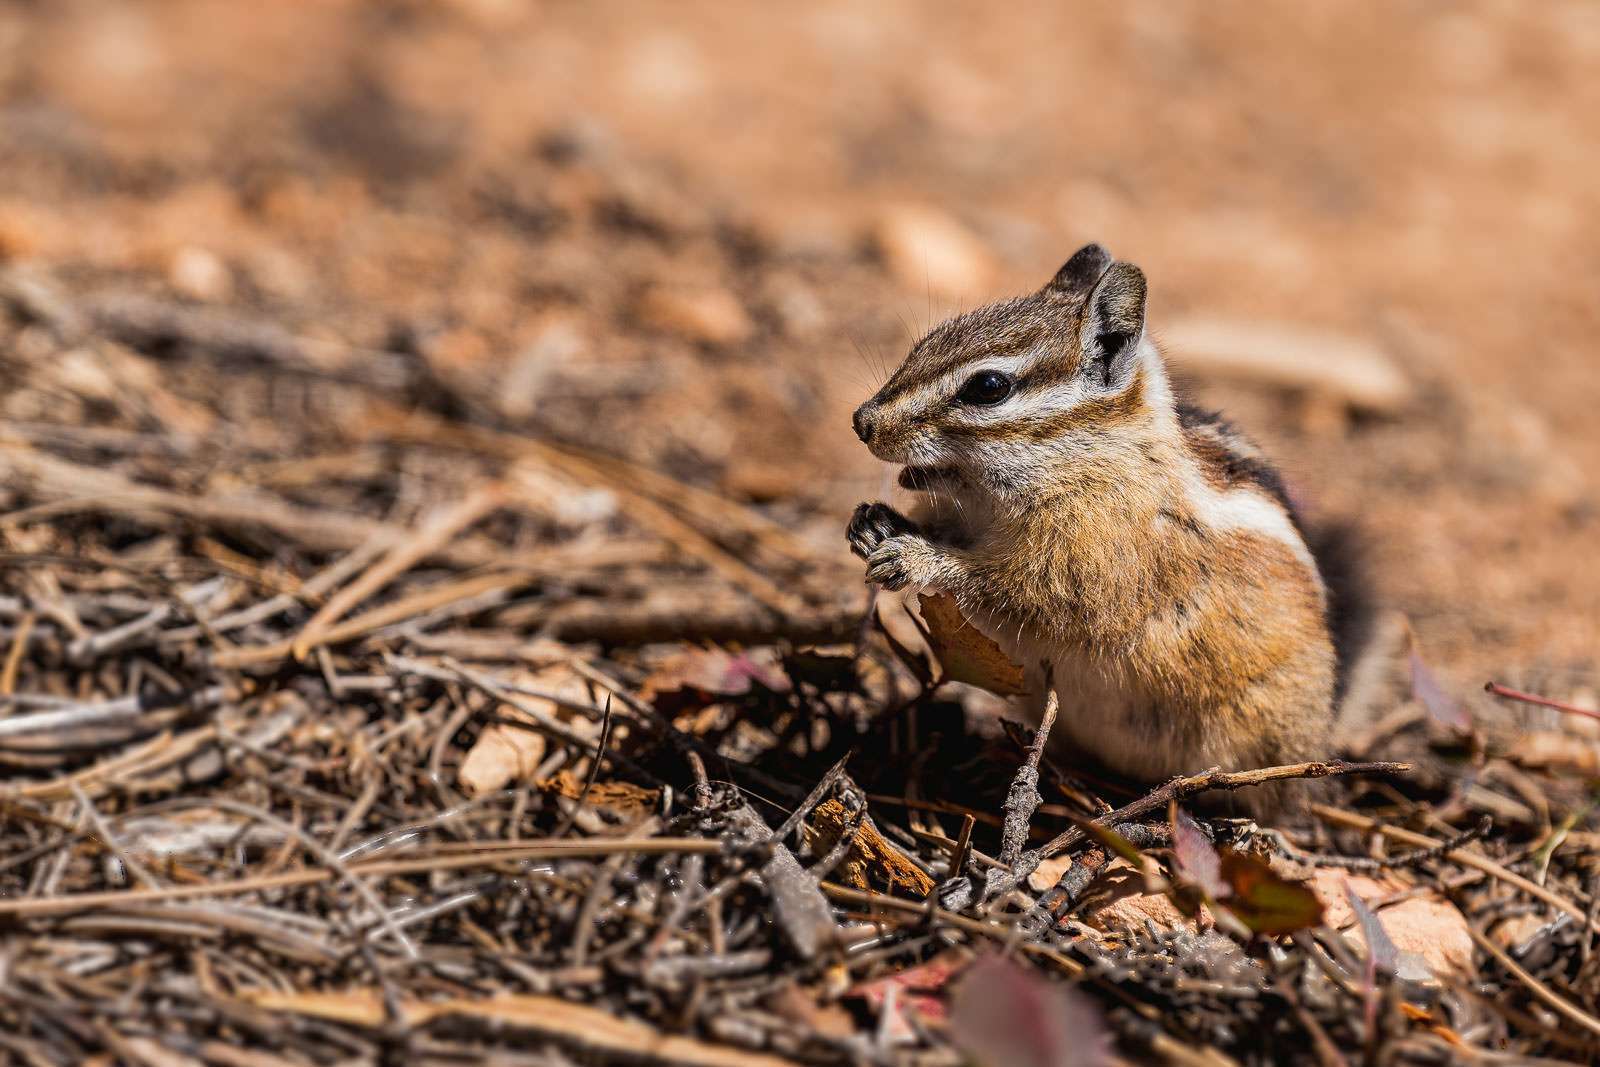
873 524
902 561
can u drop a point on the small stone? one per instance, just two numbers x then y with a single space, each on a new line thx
19 231
1128 907
925 249
1048 873
708 314
456 349
200 274
552 346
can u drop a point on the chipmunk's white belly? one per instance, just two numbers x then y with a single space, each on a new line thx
1103 711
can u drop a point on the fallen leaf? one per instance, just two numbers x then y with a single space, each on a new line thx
1381 950
1443 708
1555 750
918 989
1264 900
1428 928
505 753
1123 901
624 799
1005 1015
1197 858
699 676
965 653
501 756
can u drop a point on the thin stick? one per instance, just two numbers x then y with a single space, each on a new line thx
423 600
543 850
439 530
1544 702
1466 859
129 707
923 912
594 772
963 846
19 647
1023 797
1021 801
1415 858
1183 788
1538 988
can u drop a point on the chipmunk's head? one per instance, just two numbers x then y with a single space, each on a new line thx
996 398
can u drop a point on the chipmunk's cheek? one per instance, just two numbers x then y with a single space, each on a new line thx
895 445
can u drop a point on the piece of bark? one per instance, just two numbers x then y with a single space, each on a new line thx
873 861
801 910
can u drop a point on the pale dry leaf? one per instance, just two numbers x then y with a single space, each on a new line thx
1440 705
504 753
1428 927
965 653
1197 858
1553 750
1381 949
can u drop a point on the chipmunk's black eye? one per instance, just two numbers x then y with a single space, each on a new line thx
986 387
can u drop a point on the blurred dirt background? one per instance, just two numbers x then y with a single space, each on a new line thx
366 364
696 235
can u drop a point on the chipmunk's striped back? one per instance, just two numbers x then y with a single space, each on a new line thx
1143 551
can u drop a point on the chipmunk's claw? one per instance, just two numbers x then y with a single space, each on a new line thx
887 566
873 524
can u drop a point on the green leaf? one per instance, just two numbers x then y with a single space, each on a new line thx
1111 840
1263 900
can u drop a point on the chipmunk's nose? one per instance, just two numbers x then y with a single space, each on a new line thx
863 424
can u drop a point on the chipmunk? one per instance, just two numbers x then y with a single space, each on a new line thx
1140 550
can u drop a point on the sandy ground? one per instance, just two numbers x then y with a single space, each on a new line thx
1416 178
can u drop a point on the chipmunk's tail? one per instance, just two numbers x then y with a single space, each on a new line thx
1364 634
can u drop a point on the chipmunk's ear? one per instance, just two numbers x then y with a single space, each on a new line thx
1078 274
1113 325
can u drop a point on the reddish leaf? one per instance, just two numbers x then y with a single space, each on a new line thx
918 989
1443 708
1265 901
1005 1015
705 675
1197 859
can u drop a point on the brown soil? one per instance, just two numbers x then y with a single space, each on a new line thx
1420 180
285 287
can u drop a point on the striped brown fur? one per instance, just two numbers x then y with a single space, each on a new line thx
1146 552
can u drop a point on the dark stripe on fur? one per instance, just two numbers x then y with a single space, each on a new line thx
1335 547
